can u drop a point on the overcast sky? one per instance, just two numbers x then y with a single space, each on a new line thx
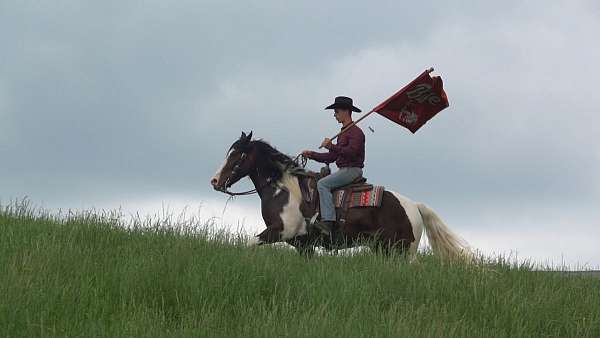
134 103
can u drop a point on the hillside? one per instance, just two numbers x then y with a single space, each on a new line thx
90 275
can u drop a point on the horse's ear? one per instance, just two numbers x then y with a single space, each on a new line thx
243 137
249 137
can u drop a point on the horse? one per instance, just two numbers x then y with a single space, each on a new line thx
396 226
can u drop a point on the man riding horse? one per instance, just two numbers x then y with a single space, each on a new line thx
388 220
348 154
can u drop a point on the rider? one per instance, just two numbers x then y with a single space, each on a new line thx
348 154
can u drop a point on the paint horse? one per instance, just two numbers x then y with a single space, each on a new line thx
396 225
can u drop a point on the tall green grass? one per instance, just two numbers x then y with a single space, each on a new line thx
92 274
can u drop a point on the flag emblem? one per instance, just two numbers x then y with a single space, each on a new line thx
416 103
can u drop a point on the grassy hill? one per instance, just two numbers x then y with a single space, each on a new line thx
88 275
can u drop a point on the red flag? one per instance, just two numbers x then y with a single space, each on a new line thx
416 103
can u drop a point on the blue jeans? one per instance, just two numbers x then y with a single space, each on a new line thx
341 177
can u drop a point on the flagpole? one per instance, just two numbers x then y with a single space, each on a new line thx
429 71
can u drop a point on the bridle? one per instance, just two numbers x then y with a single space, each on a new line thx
300 160
234 171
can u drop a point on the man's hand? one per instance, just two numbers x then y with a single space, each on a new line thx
326 143
307 153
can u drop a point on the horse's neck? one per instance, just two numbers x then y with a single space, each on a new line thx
261 184
268 190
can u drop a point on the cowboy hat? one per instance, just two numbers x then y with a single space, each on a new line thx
343 102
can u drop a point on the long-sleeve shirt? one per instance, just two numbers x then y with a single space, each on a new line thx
348 152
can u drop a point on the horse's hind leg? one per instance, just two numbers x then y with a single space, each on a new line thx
389 246
395 233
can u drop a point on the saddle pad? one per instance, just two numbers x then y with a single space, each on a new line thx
365 198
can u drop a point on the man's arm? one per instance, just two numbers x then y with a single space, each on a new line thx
328 157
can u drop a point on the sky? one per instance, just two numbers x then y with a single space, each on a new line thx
133 104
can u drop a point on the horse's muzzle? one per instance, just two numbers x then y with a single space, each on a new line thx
218 187
215 184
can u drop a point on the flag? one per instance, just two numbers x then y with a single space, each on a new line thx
416 103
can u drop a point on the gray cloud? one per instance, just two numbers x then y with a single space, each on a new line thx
129 100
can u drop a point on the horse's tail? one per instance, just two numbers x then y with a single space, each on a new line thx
442 240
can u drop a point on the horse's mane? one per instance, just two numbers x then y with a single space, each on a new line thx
273 154
272 160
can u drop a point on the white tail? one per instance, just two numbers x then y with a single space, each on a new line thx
442 240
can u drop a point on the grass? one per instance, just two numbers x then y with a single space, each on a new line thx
93 275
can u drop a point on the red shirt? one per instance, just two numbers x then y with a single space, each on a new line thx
348 152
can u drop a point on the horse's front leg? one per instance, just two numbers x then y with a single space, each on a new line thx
268 236
304 245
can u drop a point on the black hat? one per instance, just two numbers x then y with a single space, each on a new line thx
344 103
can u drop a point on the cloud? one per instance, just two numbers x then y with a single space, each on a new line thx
550 237
507 128
6 127
128 101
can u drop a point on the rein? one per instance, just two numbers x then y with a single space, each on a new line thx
247 192
233 173
299 161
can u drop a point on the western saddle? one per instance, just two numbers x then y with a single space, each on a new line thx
310 196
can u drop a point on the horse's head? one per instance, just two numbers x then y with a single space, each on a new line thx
240 161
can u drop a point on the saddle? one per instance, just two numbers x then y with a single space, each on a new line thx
357 193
